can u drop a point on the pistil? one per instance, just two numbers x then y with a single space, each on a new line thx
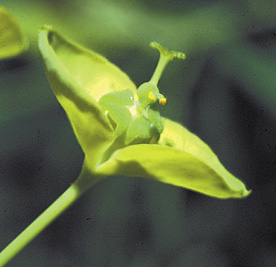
165 57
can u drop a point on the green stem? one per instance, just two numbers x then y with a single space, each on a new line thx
162 63
83 183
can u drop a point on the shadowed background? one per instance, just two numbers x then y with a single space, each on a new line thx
225 92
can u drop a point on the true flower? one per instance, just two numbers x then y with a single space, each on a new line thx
119 127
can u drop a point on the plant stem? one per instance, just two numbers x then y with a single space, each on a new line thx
83 183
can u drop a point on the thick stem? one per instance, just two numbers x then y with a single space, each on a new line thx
83 183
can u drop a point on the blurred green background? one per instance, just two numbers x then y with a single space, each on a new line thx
225 92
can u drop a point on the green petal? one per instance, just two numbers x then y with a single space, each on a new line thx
93 130
141 131
12 40
120 116
123 98
188 162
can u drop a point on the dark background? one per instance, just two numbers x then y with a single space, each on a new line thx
225 92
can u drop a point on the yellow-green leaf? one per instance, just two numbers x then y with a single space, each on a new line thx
94 73
64 63
12 40
184 161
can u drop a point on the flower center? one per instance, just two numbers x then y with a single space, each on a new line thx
138 122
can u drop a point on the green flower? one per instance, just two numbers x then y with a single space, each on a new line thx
119 127
12 40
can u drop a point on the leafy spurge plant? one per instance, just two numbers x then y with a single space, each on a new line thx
120 130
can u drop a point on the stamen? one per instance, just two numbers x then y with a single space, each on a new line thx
151 97
165 57
163 101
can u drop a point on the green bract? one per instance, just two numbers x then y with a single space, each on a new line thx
12 41
119 127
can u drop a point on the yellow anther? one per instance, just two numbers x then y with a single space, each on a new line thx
163 101
151 97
